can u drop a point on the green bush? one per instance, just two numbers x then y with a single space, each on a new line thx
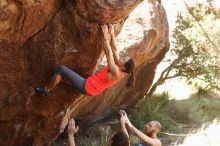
152 108
84 141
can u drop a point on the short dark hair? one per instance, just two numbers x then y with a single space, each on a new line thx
120 139
129 68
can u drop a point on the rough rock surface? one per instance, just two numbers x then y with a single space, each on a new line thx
37 35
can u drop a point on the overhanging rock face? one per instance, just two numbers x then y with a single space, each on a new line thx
36 36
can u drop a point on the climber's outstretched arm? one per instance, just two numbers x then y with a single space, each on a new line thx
114 69
114 44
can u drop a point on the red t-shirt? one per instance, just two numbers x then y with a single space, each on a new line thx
98 82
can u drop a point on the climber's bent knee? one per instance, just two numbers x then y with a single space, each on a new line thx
61 69
75 79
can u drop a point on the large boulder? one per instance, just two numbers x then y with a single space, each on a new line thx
36 36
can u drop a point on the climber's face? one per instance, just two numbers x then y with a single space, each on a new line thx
125 59
122 62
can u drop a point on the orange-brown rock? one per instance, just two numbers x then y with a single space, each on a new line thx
36 36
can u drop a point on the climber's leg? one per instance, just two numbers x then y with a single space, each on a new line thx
46 90
76 80
54 81
62 71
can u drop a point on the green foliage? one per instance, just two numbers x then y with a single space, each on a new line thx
93 141
151 109
194 53
195 45
195 110
201 89
201 11
104 141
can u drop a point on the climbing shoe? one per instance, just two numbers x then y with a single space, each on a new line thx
42 91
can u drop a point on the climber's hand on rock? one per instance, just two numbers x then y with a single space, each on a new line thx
105 32
111 30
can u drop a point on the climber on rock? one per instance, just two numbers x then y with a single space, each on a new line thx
107 77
